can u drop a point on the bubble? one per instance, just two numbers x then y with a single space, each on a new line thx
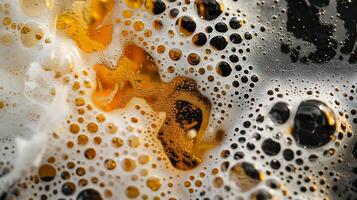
134 141
68 188
157 24
31 34
80 171
271 147
6 39
47 172
92 127
128 164
223 69
236 38
138 26
89 194
221 27
193 59
218 182
144 159
275 164
155 6
82 139
175 54
248 36
110 164
262 195
314 124
186 25
153 183
245 176
111 128
288 154
199 39
235 23
132 192
280 112
218 42
233 58
90 153
209 9
117 142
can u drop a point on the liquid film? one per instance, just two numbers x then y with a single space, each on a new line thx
178 99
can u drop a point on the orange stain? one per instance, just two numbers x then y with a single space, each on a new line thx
136 75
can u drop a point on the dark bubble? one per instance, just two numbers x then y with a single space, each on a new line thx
156 6
225 166
275 164
238 67
248 36
223 69
314 124
193 59
68 188
246 124
209 29
208 9
270 147
244 79
257 136
174 12
260 118
245 175
261 195
236 38
299 161
254 78
273 184
65 175
221 27
89 194
199 39
280 112
288 154
186 25
218 42
238 155
233 58
251 171
250 146
234 23
235 84
313 158
47 172
225 154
